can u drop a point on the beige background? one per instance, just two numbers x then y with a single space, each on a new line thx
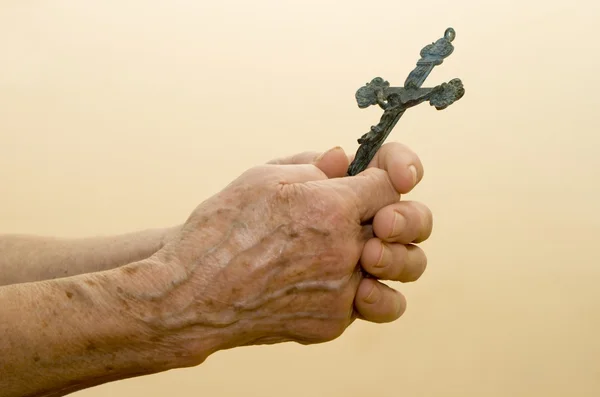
123 115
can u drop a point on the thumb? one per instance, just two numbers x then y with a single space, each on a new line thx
372 190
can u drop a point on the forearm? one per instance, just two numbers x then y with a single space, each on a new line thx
60 336
35 258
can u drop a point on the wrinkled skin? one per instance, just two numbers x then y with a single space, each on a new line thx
281 253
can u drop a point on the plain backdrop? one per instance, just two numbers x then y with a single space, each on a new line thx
124 115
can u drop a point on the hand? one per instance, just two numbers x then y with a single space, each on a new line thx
273 257
391 254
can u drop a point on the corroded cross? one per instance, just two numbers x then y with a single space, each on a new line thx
395 100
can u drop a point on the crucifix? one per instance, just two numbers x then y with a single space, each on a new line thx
395 100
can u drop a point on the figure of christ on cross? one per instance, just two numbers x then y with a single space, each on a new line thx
395 100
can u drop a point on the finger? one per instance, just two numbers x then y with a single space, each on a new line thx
404 166
299 158
403 222
394 262
378 303
370 191
333 163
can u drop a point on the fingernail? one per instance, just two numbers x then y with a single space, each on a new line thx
399 224
319 157
373 295
413 171
385 257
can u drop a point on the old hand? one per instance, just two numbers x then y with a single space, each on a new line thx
276 255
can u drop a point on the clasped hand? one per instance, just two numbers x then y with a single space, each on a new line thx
281 253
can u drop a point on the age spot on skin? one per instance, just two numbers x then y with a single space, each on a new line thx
69 294
119 290
130 270
125 304
36 358
221 211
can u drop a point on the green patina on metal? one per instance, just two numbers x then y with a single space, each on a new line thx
395 100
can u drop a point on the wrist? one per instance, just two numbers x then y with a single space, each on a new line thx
152 298
81 331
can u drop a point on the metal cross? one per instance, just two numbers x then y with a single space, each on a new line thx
395 100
